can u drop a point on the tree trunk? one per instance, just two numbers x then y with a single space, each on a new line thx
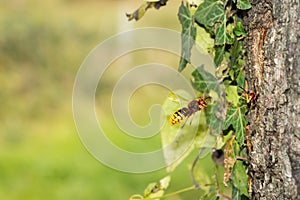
273 50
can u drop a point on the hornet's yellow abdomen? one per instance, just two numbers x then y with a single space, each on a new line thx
193 107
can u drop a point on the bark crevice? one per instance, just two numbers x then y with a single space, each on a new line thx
273 70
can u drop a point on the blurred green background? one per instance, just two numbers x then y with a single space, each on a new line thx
43 44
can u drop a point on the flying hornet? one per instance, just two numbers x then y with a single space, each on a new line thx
193 107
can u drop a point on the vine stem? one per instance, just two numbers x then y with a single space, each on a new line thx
174 193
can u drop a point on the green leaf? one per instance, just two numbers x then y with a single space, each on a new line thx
140 12
219 54
223 35
240 80
236 63
215 120
235 54
204 81
232 95
236 195
155 190
239 30
188 35
204 40
210 12
236 116
243 4
236 148
239 178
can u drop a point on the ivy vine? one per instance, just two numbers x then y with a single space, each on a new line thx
214 25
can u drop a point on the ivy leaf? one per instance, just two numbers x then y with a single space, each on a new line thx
243 4
240 80
188 35
219 54
140 12
236 195
222 33
235 54
239 178
215 119
204 81
236 62
239 30
204 40
232 95
236 116
210 12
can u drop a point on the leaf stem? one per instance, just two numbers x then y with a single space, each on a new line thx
174 193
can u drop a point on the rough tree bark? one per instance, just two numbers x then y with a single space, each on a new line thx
273 50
